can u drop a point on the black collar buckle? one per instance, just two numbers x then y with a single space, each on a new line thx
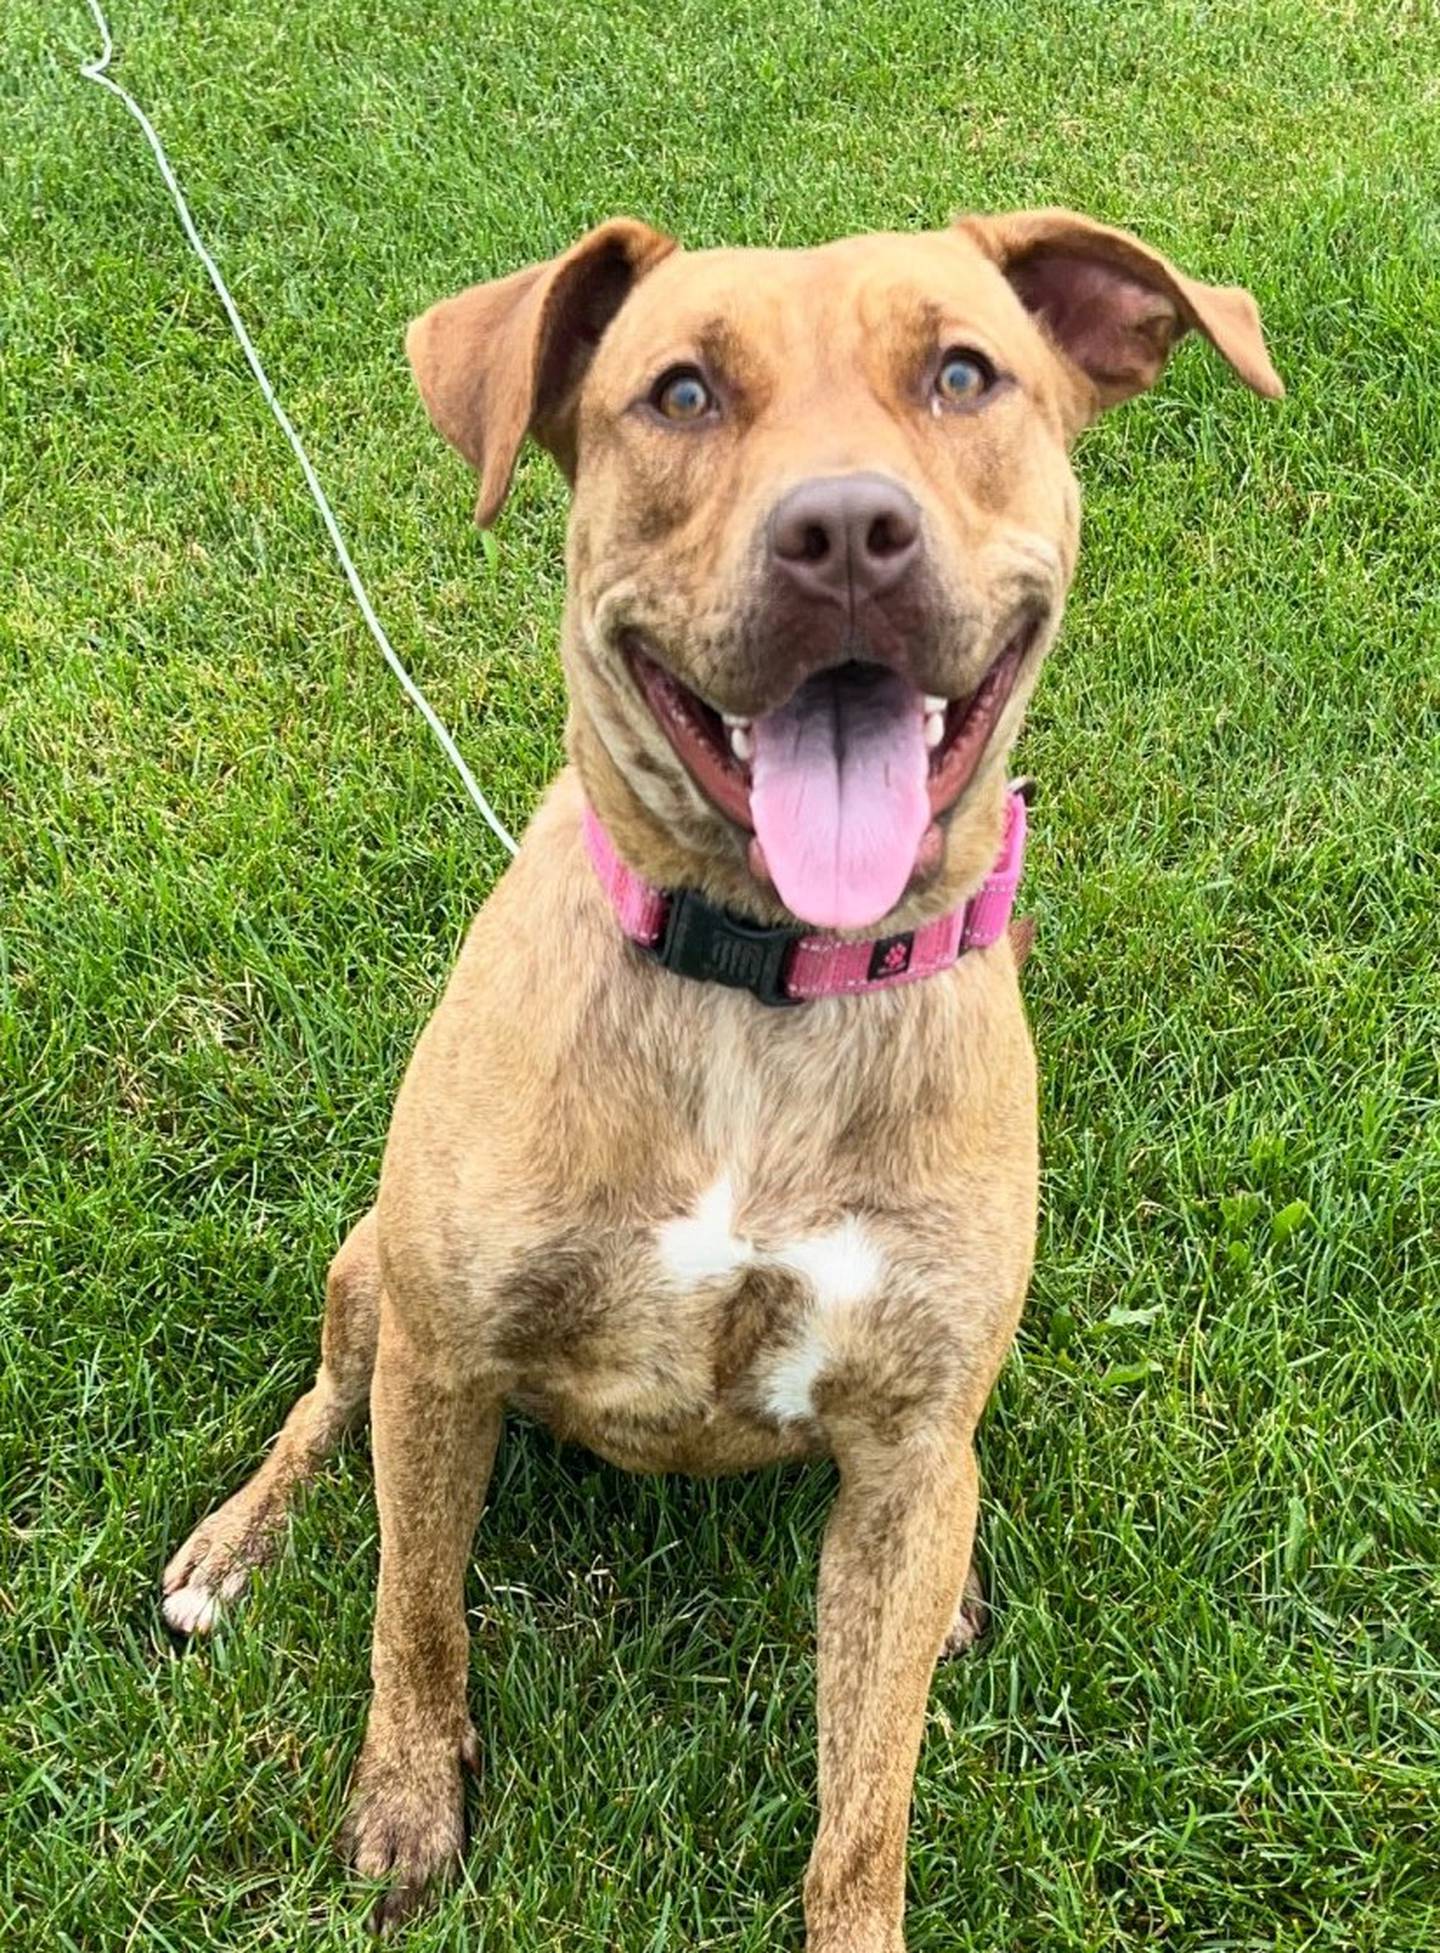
712 946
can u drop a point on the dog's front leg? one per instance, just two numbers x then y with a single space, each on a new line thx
894 1561
434 1443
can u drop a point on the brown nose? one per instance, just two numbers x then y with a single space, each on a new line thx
845 537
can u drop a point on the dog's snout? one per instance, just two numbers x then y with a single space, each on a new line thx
845 537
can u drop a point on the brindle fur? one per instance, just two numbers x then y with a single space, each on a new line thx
568 1098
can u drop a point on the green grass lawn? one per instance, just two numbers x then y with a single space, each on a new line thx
234 871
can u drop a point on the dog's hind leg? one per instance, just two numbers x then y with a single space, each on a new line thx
972 1617
215 1563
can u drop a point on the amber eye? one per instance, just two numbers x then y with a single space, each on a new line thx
681 394
963 376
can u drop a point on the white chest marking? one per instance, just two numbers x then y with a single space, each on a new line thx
842 1269
699 1247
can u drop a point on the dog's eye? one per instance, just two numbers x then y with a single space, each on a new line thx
963 376
681 394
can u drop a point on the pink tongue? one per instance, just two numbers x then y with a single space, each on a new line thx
838 796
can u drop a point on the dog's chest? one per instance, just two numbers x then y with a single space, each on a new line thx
702 1340
818 1281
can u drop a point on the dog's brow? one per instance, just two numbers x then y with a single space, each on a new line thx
918 325
723 349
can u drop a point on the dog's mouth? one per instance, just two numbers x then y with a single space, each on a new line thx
843 785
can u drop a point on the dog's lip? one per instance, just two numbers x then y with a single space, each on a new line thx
698 731
970 722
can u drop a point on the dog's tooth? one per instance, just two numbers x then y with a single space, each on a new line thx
734 719
934 729
742 743
934 703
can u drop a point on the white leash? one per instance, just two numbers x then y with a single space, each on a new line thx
95 71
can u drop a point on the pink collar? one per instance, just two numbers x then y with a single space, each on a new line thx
695 938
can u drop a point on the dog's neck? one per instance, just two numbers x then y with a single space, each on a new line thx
701 853
780 966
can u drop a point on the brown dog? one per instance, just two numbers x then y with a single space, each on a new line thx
823 525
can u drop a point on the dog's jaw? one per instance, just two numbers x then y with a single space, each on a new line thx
672 835
719 749
685 818
844 783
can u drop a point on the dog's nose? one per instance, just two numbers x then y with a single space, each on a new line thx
845 537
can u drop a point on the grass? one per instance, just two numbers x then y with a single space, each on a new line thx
234 872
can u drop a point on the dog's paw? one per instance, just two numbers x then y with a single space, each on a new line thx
194 1603
213 1567
972 1617
406 1820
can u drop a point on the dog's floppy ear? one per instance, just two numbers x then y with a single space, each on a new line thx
505 359
1114 307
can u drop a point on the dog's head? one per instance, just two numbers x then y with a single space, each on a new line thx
823 521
